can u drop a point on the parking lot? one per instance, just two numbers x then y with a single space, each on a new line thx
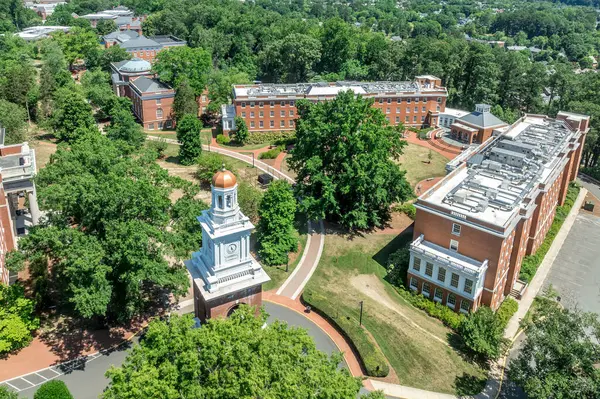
575 273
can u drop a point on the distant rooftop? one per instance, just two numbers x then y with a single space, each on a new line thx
149 85
499 180
40 32
481 117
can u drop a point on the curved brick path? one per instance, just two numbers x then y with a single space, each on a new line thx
437 145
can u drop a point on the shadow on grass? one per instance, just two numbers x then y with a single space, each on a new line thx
400 241
467 384
173 159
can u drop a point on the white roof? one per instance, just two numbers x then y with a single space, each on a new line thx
457 113
334 90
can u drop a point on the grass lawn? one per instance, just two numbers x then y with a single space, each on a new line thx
247 147
205 134
351 270
43 151
414 162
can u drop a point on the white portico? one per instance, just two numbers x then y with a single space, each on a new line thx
224 272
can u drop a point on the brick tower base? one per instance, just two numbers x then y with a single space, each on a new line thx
223 306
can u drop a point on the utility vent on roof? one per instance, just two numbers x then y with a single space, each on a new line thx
482 205
460 197
491 193
493 165
504 184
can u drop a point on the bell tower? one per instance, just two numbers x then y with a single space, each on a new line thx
224 272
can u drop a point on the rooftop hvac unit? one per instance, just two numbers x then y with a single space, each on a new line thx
491 193
493 165
460 197
504 184
482 205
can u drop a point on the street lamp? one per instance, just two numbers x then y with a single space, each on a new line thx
361 312
287 261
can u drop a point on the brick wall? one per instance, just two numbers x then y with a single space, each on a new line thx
220 307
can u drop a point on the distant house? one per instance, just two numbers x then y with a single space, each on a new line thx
110 15
477 126
40 32
140 46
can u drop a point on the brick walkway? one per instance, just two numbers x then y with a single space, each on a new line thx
437 145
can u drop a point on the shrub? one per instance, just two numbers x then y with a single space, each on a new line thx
397 267
222 139
54 389
408 209
592 172
441 312
532 262
271 154
508 308
208 164
17 318
158 146
270 137
6 394
241 131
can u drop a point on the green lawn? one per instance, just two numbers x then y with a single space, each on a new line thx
415 160
417 346
247 147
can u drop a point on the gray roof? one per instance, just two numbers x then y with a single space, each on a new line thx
149 85
481 119
139 42
118 34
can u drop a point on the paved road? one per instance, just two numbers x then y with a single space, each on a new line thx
88 381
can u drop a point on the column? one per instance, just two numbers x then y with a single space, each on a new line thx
34 210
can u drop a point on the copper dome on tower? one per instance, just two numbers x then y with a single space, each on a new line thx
224 179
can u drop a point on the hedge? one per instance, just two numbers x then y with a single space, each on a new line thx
270 137
54 389
508 308
271 154
222 139
532 262
371 356
434 309
408 209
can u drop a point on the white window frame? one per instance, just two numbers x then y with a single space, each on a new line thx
261 104
435 292
272 123
440 269
451 305
282 123
158 101
418 268
424 291
457 280
261 124
252 124
252 104
454 245
159 113
456 229
462 310
470 291
272 114
291 112
427 267
271 104
282 103
414 286
243 105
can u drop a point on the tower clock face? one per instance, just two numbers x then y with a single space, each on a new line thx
231 248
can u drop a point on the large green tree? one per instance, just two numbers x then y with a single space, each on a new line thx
77 44
346 159
233 358
13 118
483 333
188 134
291 59
185 100
178 63
560 356
275 231
124 128
72 115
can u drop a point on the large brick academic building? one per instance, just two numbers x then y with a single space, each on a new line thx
272 107
473 228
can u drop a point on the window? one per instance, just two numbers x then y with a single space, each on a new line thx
291 123
282 103
159 113
251 123
468 286
243 105
441 274
169 124
398 100
456 229
228 201
438 295
454 280
220 200
408 110
271 104
429 269
397 119
416 109
406 118
261 104
451 300
426 290
243 114
387 110
454 245
271 123
415 118
160 125
424 109
437 108
261 114
151 126
158 100
439 99
203 98
465 306
282 114
251 114
422 119
417 264
416 100
397 110
291 112
292 103
413 283
389 100
282 123
272 114
408 100
252 104
260 124
381 101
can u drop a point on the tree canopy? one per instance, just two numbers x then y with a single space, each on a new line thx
188 134
237 357
17 318
178 63
346 160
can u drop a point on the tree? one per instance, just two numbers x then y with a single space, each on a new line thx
208 165
188 134
237 357
17 83
188 231
6 394
338 45
185 100
102 58
249 198
345 156
220 82
54 389
125 130
560 355
53 74
17 319
241 130
177 63
275 231
291 59
72 115
105 26
483 333
77 44
13 118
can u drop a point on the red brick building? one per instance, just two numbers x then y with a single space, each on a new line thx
272 107
477 126
140 46
473 228
152 100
